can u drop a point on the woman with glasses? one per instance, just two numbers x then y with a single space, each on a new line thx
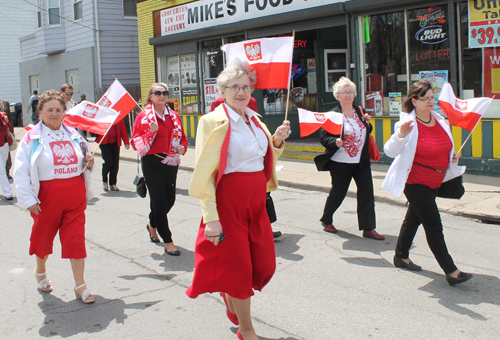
422 145
159 139
235 167
346 157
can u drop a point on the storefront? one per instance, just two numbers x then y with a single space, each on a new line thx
382 45
437 42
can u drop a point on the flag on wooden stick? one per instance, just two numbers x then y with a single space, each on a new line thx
311 121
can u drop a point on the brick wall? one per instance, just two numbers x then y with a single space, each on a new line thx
145 23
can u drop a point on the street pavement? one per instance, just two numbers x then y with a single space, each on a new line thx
326 286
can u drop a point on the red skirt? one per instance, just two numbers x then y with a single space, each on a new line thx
63 204
246 259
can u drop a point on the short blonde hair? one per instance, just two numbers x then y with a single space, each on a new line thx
340 84
233 70
49 95
150 92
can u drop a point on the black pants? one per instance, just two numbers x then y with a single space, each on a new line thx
422 209
341 174
8 165
160 180
111 156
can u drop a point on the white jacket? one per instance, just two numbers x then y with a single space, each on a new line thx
26 180
403 149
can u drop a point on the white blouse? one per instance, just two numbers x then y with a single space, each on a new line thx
247 147
352 141
59 158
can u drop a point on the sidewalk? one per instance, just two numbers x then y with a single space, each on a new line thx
481 200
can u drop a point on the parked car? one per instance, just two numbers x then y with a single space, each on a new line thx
16 110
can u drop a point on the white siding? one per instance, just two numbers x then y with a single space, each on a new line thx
17 20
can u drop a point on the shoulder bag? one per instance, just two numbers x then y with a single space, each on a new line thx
453 189
372 146
140 182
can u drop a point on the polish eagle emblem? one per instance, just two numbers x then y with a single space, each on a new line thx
253 51
63 152
90 110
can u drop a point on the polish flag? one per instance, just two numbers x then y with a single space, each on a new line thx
91 117
270 57
311 121
462 113
29 127
118 98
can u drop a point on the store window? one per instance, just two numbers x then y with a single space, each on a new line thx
429 46
384 62
303 86
189 84
169 74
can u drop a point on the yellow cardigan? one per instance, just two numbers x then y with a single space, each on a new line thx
212 129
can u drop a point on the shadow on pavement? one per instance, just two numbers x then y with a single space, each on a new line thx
183 192
480 289
286 246
121 193
184 262
148 276
66 319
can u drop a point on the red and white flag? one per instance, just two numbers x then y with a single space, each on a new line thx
311 121
462 113
91 117
118 98
270 57
29 127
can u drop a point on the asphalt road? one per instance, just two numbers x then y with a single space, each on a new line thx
326 286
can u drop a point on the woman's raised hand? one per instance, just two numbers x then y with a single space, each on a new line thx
153 126
405 129
282 132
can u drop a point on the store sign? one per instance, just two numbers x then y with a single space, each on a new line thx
208 13
297 70
484 23
437 80
211 93
491 72
431 35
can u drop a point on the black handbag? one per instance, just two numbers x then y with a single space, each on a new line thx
454 188
140 182
271 212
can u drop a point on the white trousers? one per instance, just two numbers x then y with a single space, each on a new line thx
4 181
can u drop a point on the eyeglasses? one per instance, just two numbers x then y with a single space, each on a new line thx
347 93
159 93
236 88
427 100
69 93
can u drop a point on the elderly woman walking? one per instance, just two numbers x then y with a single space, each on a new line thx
235 167
346 157
52 180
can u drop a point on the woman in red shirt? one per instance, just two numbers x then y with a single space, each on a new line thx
110 151
159 138
424 136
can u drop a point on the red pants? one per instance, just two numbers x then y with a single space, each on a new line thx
246 258
63 203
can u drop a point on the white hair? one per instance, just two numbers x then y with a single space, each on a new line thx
340 84
233 70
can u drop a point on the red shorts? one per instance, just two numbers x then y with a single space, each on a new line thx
63 203
245 260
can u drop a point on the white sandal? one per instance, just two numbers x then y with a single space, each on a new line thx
44 285
85 295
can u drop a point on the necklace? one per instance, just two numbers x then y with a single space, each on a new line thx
57 135
423 121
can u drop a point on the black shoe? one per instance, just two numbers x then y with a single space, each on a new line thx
9 198
277 234
173 253
153 239
462 277
398 262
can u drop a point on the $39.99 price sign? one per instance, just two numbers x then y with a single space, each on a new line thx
484 36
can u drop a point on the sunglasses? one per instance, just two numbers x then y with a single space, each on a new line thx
159 93
69 93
